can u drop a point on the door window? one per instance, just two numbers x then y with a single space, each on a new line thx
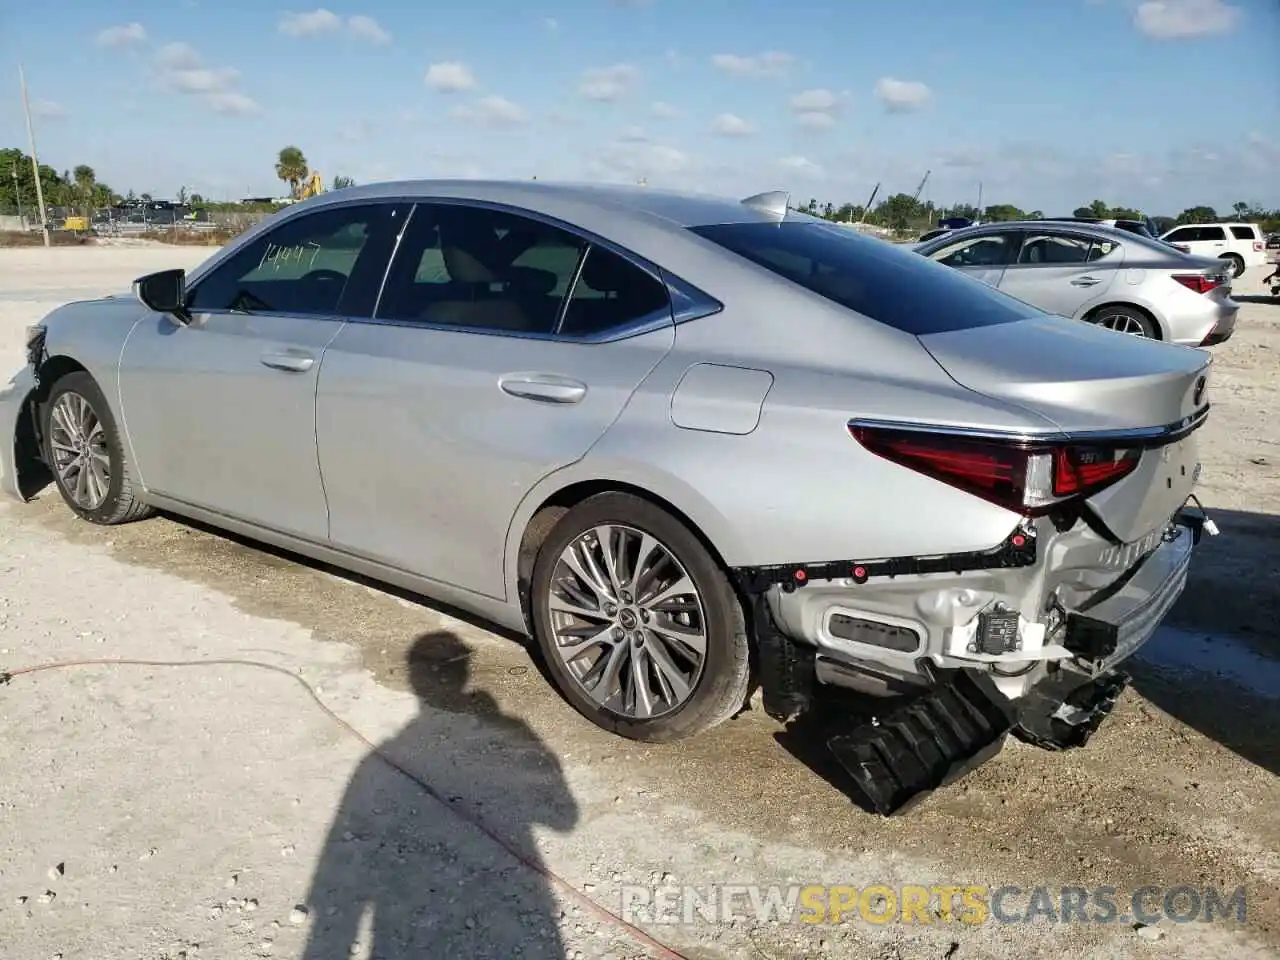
482 269
1182 235
1054 250
1211 233
990 250
327 263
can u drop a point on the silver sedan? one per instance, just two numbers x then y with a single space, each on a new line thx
690 444
1098 274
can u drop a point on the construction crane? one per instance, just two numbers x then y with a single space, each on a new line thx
920 189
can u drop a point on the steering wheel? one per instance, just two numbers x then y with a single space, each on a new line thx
324 274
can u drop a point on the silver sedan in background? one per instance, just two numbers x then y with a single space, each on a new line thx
1098 274
688 443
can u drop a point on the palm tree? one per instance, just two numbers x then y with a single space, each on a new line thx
291 167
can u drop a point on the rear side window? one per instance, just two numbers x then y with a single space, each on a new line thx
889 284
1211 233
1245 233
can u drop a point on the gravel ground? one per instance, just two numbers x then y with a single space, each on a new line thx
219 812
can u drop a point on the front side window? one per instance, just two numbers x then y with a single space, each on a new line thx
888 284
991 250
493 270
1182 235
327 263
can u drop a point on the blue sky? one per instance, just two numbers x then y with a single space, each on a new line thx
1160 104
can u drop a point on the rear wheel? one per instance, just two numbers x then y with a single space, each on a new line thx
638 625
82 447
1235 264
1123 319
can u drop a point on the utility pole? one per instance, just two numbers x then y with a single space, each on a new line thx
35 164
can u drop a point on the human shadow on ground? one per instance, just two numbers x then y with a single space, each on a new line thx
405 877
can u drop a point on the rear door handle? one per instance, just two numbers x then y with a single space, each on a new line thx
292 362
543 387
1085 281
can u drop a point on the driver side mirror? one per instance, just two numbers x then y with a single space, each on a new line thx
164 292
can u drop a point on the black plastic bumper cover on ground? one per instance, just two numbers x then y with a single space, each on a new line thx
937 738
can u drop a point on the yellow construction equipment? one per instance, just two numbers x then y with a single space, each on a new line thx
314 185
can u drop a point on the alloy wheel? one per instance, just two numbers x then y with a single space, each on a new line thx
80 456
628 621
1122 323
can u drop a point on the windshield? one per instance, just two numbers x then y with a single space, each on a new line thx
883 281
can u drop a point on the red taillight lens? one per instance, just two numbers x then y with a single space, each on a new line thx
1198 283
1026 477
1258 246
1079 470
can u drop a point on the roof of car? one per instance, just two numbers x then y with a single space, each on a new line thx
682 209
1046 224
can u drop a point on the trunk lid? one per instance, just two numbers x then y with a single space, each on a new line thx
1089 380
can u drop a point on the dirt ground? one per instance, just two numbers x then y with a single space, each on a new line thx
163 812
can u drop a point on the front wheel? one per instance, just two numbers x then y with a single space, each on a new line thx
638 624
82 447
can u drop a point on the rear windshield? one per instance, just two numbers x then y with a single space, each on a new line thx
880 280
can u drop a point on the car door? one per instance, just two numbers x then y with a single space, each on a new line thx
221 412
501 349
1062 272
983 257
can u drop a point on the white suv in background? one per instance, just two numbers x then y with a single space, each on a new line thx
1241 243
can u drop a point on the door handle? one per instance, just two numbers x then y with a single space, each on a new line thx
543 387
292 362
1085 281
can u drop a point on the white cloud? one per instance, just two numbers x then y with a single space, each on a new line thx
732 125
451 77
124 35
802 166
48 110
1179 19
665 111
232 103
816 120
311 24
637 159
183 69
903 96
772 63
367 28
321 22
608 83
491 111
818 108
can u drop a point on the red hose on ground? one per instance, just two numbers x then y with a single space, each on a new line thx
604 913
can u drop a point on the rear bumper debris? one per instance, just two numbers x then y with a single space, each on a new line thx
960 715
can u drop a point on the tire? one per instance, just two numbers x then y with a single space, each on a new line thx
1236 262
119 502
1125 319
717 688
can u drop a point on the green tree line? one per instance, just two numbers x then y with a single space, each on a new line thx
902 212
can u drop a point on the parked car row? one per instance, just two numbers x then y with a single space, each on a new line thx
1107 275
686 443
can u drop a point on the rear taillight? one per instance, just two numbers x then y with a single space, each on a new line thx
1198 283
1258 246
1026 477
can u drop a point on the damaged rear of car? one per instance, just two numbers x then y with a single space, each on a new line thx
1086 462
